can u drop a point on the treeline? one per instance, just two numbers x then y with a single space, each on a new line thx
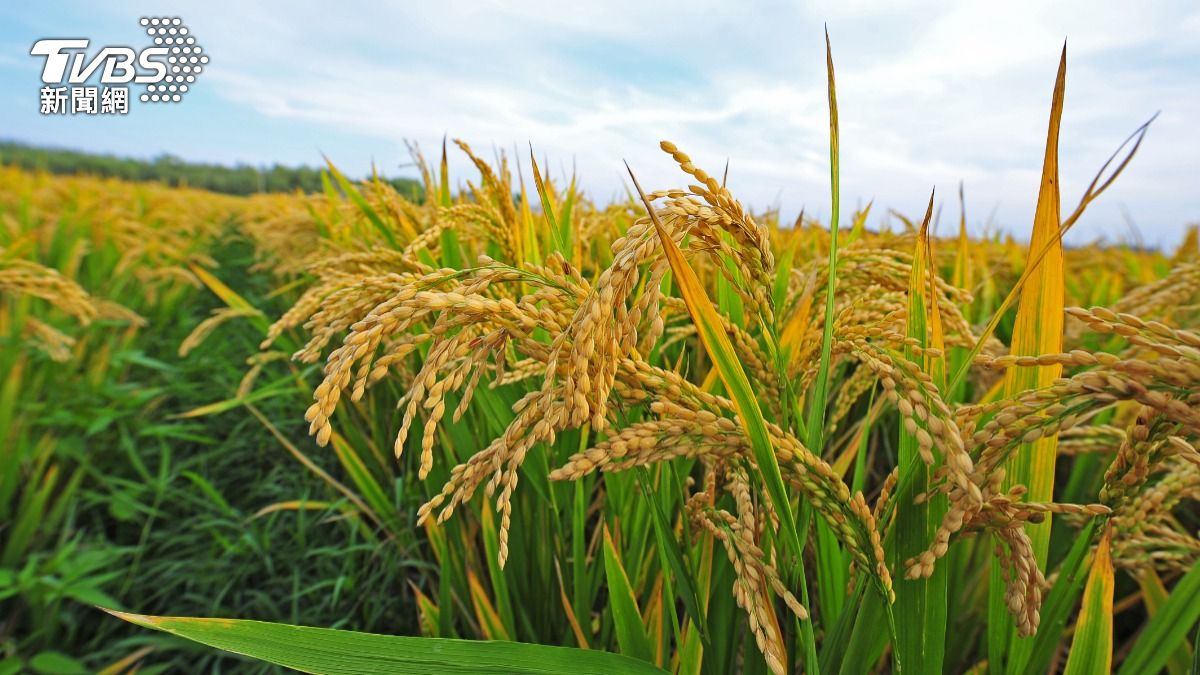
241 179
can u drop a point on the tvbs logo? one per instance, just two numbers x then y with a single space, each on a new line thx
118 63
167 68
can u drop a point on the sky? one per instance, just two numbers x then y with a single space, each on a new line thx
929 94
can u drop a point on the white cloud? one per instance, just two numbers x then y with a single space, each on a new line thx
929 92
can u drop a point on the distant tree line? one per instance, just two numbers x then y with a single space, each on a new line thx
241 179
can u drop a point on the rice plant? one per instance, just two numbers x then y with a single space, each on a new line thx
108 496
710 441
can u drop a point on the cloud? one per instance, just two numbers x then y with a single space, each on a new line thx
929 92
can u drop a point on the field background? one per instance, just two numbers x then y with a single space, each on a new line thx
112 498
159 460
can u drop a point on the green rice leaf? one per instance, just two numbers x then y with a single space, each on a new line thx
670 549
627 619
1154 594
342 652
921 604
1167 629
363 205
1092 647
552 224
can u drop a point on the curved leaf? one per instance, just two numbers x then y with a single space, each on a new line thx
627 618
343 652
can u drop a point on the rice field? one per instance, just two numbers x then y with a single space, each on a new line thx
531 432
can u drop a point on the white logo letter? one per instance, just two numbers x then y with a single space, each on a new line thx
117 57
146 60
56 61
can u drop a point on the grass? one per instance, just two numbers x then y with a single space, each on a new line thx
667 427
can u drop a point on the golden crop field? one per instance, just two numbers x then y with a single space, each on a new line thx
499 426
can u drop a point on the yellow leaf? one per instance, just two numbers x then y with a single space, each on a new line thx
485 611
1039 327
294 505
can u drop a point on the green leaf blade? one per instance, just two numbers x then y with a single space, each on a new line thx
341 652
1092 647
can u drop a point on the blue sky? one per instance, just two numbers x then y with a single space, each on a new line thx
930 93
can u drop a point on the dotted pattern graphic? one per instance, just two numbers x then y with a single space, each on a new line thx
185 59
